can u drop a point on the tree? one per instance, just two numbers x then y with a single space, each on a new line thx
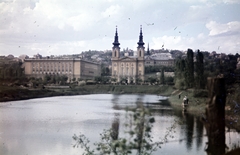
74 79
179 78
64 79
162 80
53 79
151 80
200 82
46 79
189 74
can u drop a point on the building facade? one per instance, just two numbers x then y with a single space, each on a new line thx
159 59
72 68
130 68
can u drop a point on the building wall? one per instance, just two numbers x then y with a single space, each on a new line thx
129 68
72 68
28 68
77 69
169 62
89 70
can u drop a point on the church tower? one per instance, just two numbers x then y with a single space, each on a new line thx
116 48
148 51
140 48
140 57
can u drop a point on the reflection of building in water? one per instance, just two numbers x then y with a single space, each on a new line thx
130 68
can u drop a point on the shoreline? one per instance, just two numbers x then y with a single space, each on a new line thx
16 93
197 105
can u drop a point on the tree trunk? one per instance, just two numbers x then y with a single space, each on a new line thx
215 116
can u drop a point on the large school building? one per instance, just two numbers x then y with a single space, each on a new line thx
72 68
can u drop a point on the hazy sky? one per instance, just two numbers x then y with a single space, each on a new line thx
57 27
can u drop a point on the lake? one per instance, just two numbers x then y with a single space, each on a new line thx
45 126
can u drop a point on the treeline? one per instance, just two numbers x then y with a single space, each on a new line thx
153 69
12 71
192 70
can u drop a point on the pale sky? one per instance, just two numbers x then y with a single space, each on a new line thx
58 27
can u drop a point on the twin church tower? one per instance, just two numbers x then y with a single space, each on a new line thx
129 69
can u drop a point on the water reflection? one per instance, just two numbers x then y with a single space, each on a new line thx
45 126
199 130
115 127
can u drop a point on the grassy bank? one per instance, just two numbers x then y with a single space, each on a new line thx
17 93
124 89
196 104
8 93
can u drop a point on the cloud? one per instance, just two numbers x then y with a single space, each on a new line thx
172 42
226 36
217 29
37 24
111 11
231 1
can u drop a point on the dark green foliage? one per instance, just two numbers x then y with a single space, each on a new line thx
199 66
153 69
162 79
184 71
105 71
55 79
102 79
169 80
189 72
11 72
151 80
179 78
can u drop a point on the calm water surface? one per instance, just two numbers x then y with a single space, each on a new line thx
45 126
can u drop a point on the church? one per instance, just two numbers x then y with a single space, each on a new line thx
129 69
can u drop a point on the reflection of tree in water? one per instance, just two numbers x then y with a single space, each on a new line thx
115 127
199 129
115 102
189 130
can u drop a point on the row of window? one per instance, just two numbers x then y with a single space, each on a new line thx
127 72
51 65
52 72
122 65
115 73
63 70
